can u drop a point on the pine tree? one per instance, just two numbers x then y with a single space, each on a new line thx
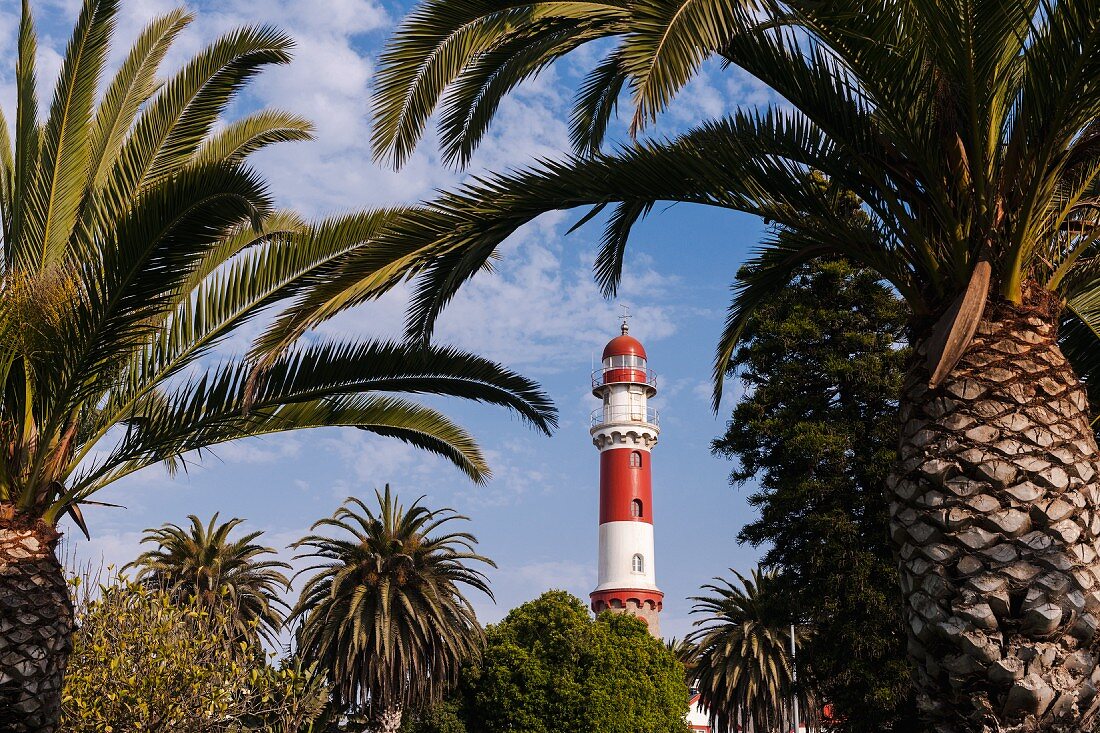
817 428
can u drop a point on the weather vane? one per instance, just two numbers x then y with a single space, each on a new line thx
625 317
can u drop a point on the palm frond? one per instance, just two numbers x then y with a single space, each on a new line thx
367 271
436 43
254 132
215 417
255 48
327 384
729 164
175 121
668 41
148 256
472 98
59 187
133 85
595 104
7 179
16 251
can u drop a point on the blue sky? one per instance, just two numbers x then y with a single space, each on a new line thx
540 313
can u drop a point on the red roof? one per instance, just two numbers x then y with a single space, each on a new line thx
624 345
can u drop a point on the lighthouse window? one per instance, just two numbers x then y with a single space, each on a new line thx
637 564
636 508
636 459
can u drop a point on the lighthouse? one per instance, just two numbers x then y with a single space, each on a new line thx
624 430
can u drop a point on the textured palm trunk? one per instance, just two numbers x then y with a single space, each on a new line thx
36 622
388 720
994 511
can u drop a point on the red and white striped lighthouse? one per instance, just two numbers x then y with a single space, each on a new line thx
625 429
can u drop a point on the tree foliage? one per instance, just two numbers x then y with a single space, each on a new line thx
821 364
548 667
969 132
385 615
739 658
204 563
144 660
136 239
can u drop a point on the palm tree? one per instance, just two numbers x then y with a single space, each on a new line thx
385 616
135 240
739 656
970 133
203 563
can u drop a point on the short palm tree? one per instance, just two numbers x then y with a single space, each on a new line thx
385 616
135 240
739 656
970 133
203 563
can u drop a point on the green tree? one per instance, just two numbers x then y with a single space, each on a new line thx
970 132
444 717
385 616
145 661
549 667
205 564
817 428
739 655
136 239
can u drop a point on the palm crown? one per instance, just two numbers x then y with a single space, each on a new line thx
203 563
739 657
136 239
968 131
385 615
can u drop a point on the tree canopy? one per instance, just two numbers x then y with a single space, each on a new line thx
549 667
385 615
821 363
204 563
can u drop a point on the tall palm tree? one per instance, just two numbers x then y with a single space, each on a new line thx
203 563
970 132
135 240
385 616
739 655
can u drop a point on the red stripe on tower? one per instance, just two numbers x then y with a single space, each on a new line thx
626 493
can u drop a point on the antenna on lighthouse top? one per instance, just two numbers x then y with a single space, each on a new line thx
626 319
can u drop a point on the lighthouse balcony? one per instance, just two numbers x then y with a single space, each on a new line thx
624 375
624 415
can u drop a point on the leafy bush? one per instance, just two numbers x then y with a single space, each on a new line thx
143 661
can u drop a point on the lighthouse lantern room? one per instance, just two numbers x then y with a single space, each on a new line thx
624 430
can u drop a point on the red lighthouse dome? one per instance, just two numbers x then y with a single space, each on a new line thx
625 345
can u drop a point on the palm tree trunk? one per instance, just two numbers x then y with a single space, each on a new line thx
388 720
994 512
36 623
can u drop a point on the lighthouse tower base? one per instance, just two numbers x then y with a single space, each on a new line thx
643 604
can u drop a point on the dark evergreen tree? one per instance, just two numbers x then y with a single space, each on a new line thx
821 364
